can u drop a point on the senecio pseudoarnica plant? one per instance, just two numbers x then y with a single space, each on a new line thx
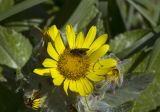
80 64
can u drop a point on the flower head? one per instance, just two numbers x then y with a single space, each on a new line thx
77 64
35 100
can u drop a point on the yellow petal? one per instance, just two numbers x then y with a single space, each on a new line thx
106 63
51 32
73 86
99 53
52 52
94 77
37 100
80 88
98 69
49 63
70 36
79 40
97 43
59 44
90 37
55 73
35 105
101 71
58 81
66 85
43 72
88 87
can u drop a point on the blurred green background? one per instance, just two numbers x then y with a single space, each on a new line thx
133 29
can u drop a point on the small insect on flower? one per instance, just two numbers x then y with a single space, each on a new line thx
34 101
79 51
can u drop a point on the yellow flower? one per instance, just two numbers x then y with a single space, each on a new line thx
77 64
35 101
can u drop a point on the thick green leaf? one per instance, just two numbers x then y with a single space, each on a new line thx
15 49
2 78
5 4
19 8
143 12
153 91
150 8
139 61
84 13
79 13
24 25
154 58
140 44
125 40
132 87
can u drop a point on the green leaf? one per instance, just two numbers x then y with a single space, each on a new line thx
154 58
79 13
2 78
84 13
5 4
151 8
146 40
15 49
150 98
139 61
143 12
24 25
132 87
125 40
19 8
